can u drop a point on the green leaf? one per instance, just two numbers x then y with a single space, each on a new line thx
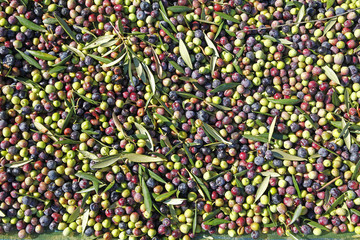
354 211
216 221
86 99
187 95
296 186
189 155
329 3
225 86
297 214
177 67
44 130
42 55
166 19
256 138
149 141
110 43
316 225
338 201
74 215
221 107
347 99
213 64
185 54
57 69
331 74
67 141
167 122
96 182
315 125
347 136
329 25
84 220
212 214
133 157
301 14
158 67
285 101
88 155
272 128
215 134
179 9
188 79
293 236
123 55
241 51
285 156
64 61
262 188
83 30
147 197
175 201
109 186
270 38
151 79
356 171
194 221
165 196
2 214
155 176
335 99
24 2
30 25
18 164
201 185
76 51
50 20
227 17
219 29
140 70
29 59
100 59
66 27
169 33
285 41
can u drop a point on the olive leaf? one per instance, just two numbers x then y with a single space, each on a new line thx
297 214
84 30
285 101
64 61
356 171
165 196
221 107
262 188
74 215
42 55
185 54
168 33
57 69
346 133
272 128
270 174
76 51
201 185
315 125
29 59
123 55
212 214
65 27
213 64
219 29
84 220
194 221
69 115
155 176
86 99
211 45
30 25
167 122
296 186
44 130
187 95
284 41
179 9
241 51
140 70
50 20
109 186
147 196
166 19
96 182
210 130
100 59
289 233
98 41
329 3
285 156
335 99
110 43
216 221
338 201
149 141
158 67
88 155
347 99
329 25
175 201
188 79
2 214
316 225
18 164
331 74
256 138
67 141
301 14
227 17
177 67
151 78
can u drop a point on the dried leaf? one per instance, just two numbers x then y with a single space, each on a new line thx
272 128
175 201
262 188
185 54
331 74
30 25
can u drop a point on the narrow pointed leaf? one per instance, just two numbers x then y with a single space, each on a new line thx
272 128
151 79
179 9
297 214
158 67
76 51
347 99
85 219
64 61
219 30
227 17
271 174
331 74
165 196
100 59
66 27
67 141
356 171
18 164
177 67
98 41
147 196
29 59
44 130
262 188
329 3
285 101
225 86
301 14
215 134
317 225
285 156
74 215
185 54
335 99
50 20
109 186
149 141
117 60
296 186
212 64
140 70
30 25
212 214
175 201
187 95
88 155
169 33
256 138
57 69
155 176
347 136
315 125
42 55
166 19
211 45
329 25
194 221
216 221
338 201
